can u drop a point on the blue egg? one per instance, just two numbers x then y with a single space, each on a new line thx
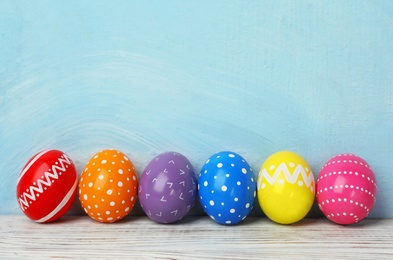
227 188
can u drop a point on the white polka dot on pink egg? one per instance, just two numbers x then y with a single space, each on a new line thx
346 189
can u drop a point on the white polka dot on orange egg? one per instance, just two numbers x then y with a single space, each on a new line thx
108 186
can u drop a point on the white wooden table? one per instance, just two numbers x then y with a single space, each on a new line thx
194 237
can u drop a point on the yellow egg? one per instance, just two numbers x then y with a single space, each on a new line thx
286 187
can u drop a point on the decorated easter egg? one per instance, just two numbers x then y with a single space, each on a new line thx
46 187
227 188
346 189
108 186
167 188
285 187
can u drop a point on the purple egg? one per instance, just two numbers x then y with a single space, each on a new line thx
167 188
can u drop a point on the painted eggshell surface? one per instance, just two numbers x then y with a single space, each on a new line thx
286 187
346 189
47 186
227 188
108 187
167 188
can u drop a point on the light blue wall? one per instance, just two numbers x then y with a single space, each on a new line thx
145 77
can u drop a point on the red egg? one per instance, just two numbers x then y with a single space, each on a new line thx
46 187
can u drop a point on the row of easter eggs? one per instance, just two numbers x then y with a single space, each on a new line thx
168 188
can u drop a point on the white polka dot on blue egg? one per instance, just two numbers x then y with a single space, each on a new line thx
227 188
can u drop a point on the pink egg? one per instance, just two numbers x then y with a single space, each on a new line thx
346 189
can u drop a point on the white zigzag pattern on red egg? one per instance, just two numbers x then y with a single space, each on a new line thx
34 190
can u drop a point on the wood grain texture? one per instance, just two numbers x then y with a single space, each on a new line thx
139 237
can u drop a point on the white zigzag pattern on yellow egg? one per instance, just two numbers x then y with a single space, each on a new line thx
291 178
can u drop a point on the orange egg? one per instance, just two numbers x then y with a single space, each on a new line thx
108 186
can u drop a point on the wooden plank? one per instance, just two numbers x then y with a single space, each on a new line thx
194 237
